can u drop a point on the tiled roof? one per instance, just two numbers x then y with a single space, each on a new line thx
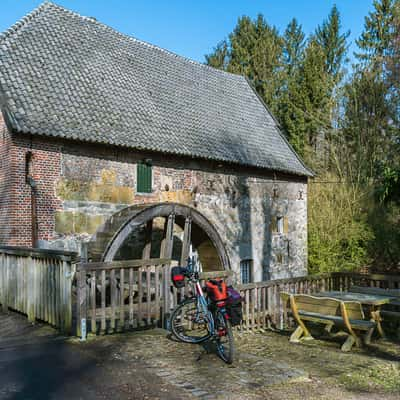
70 76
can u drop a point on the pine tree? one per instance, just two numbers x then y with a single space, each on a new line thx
334 44
290 117
219 58
313 93
374 42
367 124
293 47
256 52
254 49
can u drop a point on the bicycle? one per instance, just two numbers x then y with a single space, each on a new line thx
198 318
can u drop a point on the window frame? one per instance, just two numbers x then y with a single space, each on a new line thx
248 263
148 189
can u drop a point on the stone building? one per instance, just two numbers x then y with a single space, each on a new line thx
104 137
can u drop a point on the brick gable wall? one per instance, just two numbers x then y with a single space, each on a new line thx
15 193
7 214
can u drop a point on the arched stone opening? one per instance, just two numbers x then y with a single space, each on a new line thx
167 230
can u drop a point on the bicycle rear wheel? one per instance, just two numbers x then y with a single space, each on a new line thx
224 338
188 323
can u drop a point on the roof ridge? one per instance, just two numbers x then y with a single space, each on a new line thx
46 4
24 20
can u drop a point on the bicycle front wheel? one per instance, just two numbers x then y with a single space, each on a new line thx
188 323
224 338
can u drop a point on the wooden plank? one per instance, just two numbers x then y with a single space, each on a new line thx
131 292
103 302
148 292
2 282
247 305
121 323
218 274
186 241
39 253
56 294
46 268
147 240
52 290
31 292
166 294
255 309
38 263
82 300
375 291
264 309
113 295
140 296
169 239
68 296
157 292
120 264
93 287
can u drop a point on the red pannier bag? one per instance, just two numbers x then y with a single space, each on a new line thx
217 290
178 276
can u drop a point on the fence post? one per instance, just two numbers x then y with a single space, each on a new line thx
82 305
68 274
3 284
31 294
166 296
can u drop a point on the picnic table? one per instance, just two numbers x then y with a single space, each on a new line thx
373 301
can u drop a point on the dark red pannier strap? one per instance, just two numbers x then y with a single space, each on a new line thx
178 277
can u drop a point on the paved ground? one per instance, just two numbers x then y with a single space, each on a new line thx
35 363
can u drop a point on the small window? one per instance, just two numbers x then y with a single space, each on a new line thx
246 273
279 225
144 178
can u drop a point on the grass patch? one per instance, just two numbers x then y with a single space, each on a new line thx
384 377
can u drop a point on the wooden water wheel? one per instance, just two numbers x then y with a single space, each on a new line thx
160 227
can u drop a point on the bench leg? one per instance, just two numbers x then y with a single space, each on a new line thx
296 335
328 328
348 344
300 334
368 335
378 319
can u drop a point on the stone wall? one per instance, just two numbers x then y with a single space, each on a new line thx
80 186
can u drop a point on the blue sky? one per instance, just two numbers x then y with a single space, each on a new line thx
192 28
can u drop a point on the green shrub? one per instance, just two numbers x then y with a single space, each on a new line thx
338 233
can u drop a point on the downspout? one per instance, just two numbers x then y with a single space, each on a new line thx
31 182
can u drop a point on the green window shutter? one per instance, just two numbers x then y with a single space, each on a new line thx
143 178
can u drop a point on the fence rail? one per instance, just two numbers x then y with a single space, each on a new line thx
38 283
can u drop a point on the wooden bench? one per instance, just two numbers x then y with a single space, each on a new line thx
347 315
389 311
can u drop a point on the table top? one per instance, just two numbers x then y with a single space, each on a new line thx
363 298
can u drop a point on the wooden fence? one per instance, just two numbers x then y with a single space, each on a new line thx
38 283
116 295
263 307
112 296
